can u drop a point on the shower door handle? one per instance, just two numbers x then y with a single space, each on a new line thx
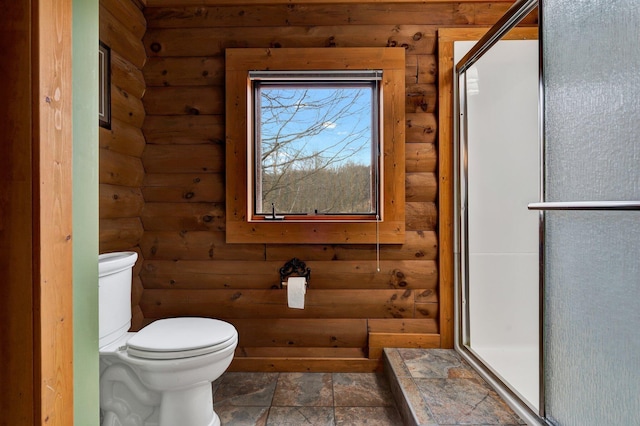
585 205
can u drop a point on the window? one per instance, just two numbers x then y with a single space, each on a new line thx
315 145
104 94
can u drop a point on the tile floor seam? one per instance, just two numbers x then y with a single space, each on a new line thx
333 397
275 389
424 400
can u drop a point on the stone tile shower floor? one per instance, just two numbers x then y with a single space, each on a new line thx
436 387
431 388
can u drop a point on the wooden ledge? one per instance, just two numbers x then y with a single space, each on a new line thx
182 3
305 364
379 341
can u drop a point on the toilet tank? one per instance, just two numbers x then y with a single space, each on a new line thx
114 293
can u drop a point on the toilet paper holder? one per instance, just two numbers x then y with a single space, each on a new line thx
297 268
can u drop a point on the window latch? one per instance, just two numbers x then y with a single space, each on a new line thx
273 214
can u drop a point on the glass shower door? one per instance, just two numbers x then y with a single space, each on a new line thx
500 175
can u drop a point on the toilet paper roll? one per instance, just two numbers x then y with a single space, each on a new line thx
296 289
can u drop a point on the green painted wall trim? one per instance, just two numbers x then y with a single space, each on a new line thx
85 213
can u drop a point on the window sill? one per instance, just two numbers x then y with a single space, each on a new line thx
347 218
324 232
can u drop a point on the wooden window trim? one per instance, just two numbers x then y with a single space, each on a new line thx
391 228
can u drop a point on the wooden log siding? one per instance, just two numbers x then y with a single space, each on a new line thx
123 138
184 188
270 304
250 274
120 234
120 169
122 26
188 267
355 13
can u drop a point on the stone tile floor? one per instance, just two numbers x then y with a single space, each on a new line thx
296 399
436 387
432 387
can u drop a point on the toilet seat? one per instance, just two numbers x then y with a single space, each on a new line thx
177 338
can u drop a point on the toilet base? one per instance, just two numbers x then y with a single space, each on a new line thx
124 400
189 407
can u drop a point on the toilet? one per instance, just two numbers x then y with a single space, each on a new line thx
162 374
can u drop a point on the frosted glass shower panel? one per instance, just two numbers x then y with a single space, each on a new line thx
592 266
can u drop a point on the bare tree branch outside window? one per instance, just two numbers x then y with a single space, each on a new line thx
315 149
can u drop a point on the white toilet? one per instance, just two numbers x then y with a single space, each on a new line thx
161 375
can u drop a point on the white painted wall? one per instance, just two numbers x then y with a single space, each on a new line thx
503 163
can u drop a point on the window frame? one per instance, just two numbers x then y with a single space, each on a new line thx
320 79
104 93
241 225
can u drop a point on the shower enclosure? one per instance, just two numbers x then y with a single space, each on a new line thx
499 160
547 290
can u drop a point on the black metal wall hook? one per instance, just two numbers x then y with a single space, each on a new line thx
295 267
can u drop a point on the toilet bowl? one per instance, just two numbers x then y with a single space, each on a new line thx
162 374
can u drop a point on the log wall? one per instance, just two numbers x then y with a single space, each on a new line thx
122 26
352 308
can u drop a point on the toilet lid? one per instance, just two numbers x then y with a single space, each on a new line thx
175 338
